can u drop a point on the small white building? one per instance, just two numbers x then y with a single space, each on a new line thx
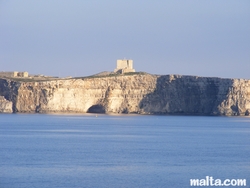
123 66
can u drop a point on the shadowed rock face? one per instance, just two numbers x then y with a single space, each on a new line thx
139 93
8 94
186 95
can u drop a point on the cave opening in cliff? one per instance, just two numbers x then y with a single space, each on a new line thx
96 109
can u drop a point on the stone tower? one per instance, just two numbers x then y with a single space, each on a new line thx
123 66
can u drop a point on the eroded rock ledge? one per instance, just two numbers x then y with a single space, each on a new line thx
138 93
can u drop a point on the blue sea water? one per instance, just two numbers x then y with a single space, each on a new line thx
120 151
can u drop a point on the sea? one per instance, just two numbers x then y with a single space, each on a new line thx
121 151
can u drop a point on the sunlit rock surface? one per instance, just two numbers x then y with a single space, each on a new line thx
5 105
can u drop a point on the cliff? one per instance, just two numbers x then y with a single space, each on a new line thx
136 93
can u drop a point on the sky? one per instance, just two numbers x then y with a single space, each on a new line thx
84 37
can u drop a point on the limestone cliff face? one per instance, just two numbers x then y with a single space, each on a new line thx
121 94
139 93
176 94
8 93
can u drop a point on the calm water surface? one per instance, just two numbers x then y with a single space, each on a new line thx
38 150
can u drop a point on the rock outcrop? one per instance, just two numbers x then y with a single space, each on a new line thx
137 93
5 105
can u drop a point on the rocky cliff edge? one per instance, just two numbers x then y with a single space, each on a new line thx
137 93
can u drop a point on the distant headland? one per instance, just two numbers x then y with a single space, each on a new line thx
124 91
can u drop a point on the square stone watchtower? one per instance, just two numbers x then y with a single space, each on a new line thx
124 66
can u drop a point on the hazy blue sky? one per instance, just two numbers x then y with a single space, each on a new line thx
84 37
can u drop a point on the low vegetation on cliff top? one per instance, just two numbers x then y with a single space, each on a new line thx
111 75
38 79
